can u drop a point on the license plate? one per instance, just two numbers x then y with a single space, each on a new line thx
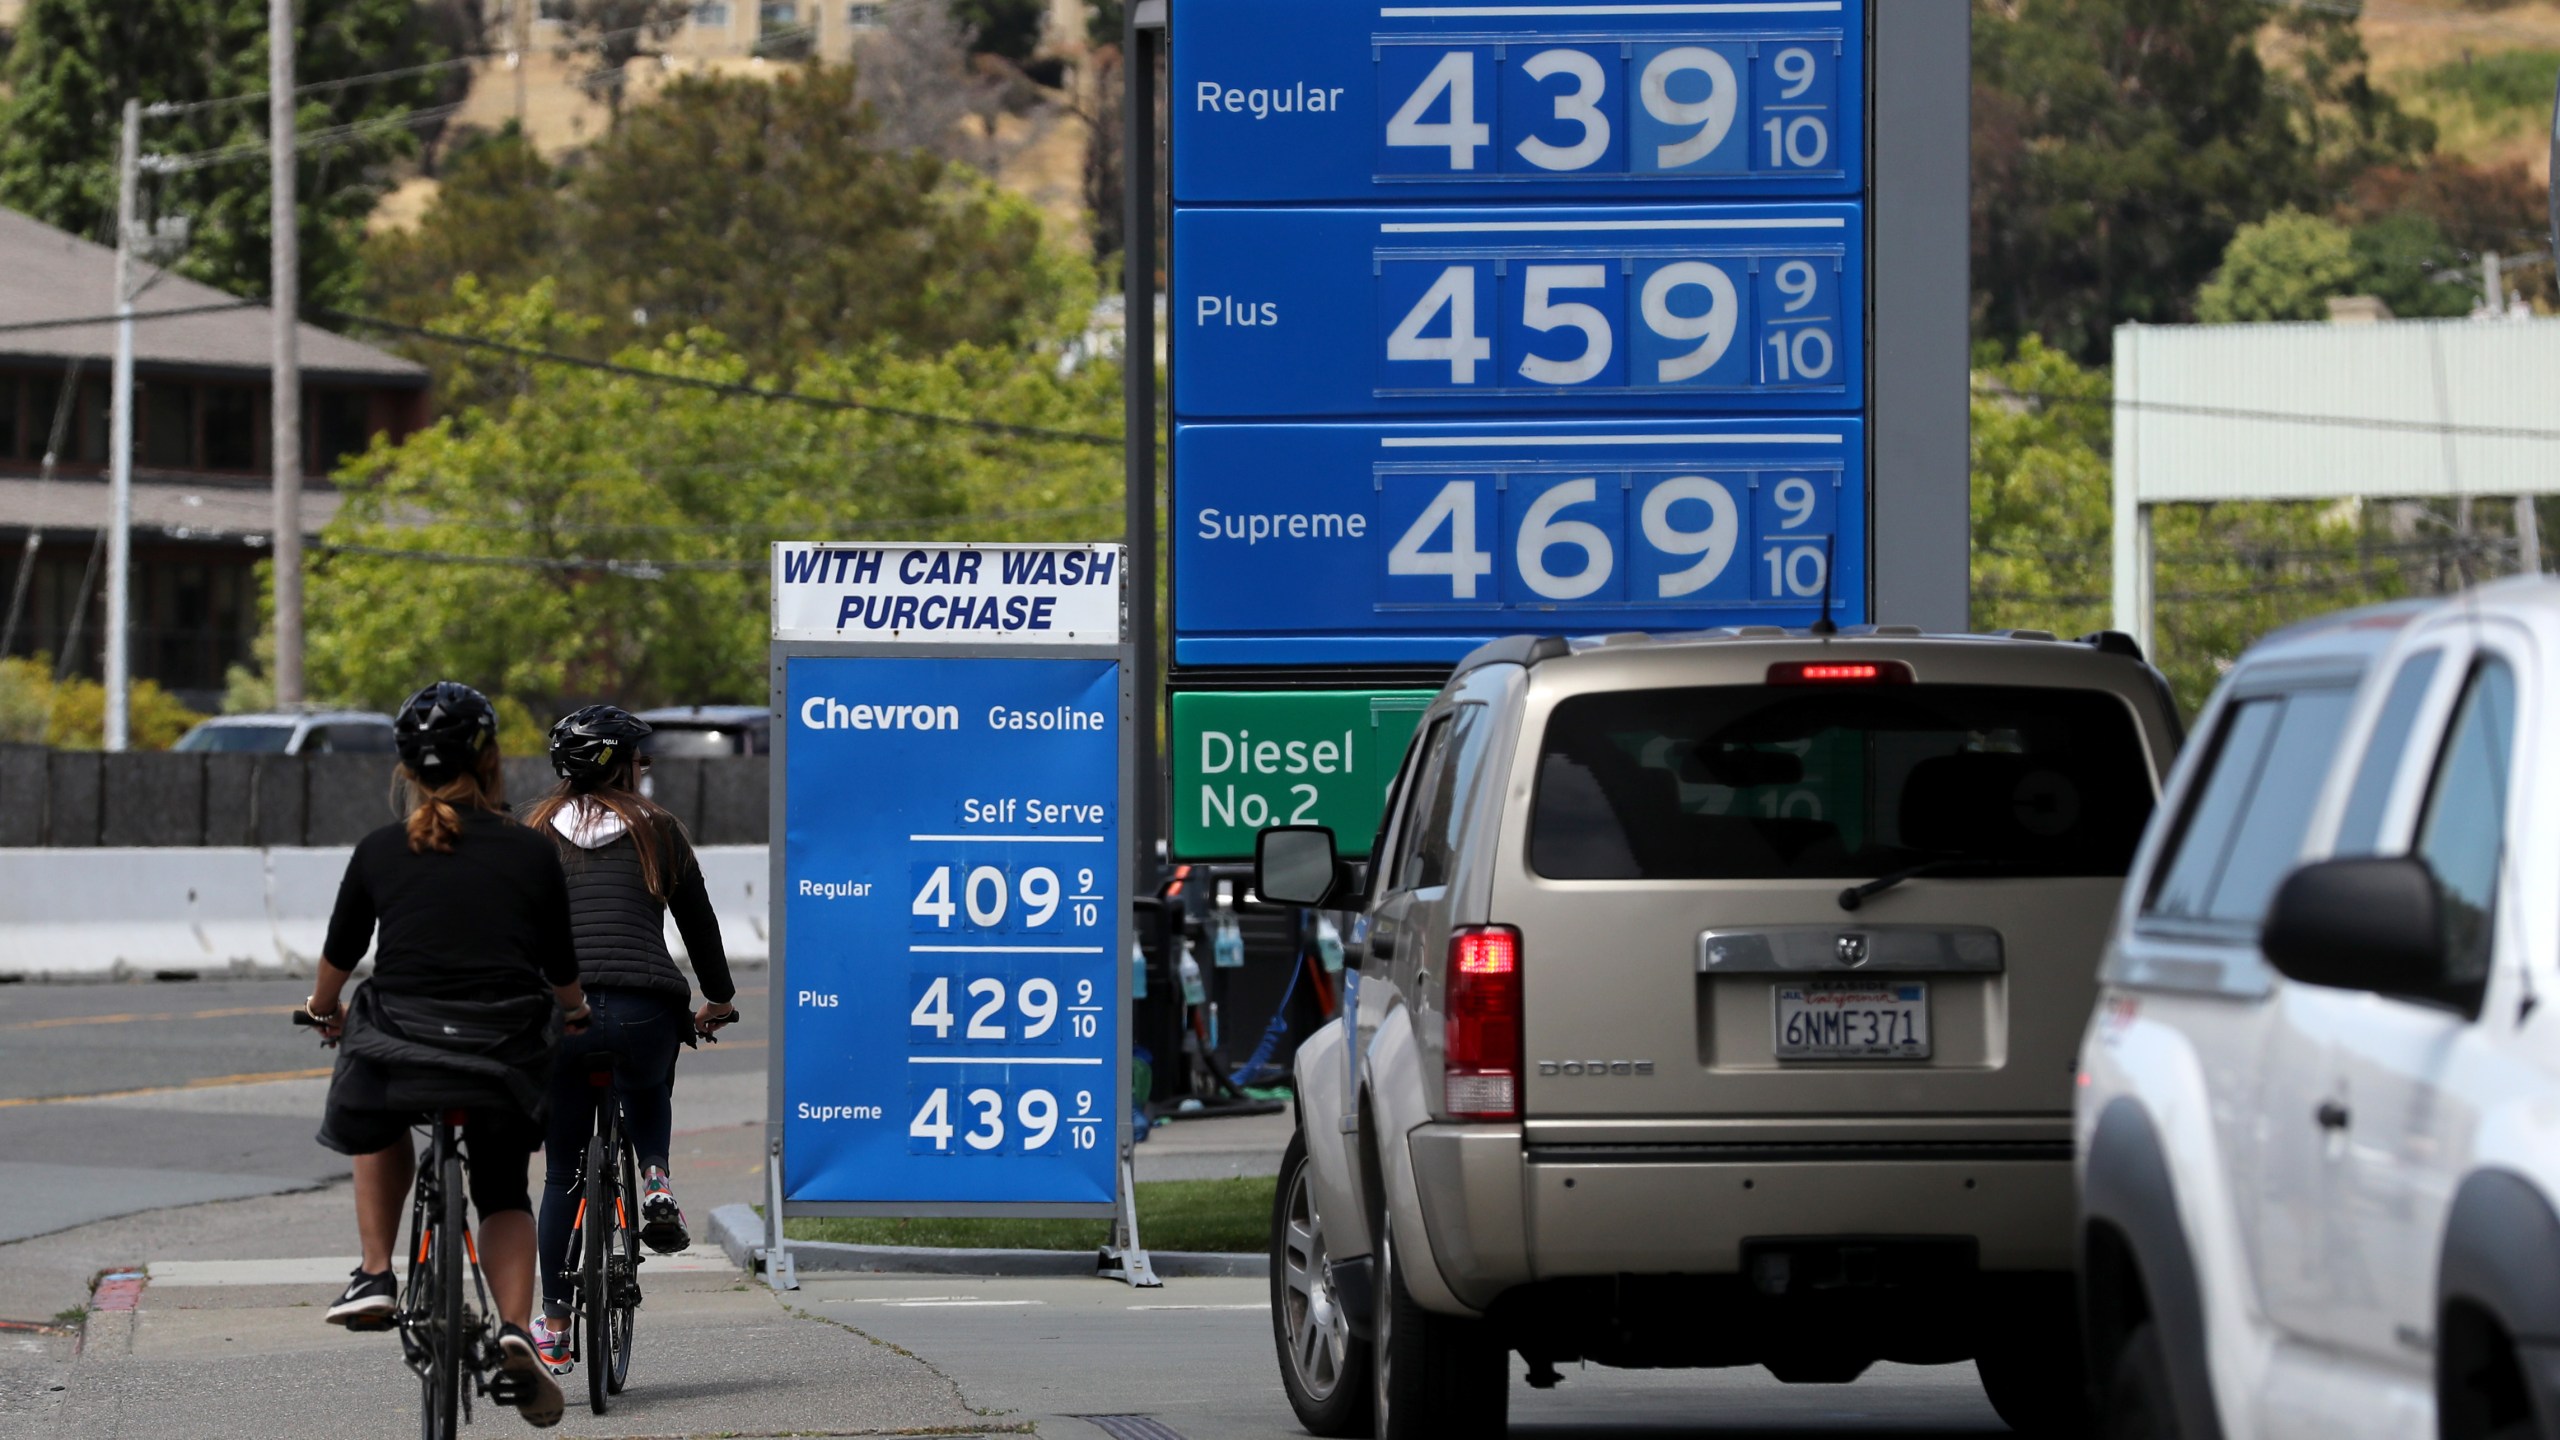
1853 1021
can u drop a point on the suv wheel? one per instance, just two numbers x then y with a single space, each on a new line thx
2039 1382
1437 1375
2140 1405
1323 1366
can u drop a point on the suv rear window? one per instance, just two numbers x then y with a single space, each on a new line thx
1754 782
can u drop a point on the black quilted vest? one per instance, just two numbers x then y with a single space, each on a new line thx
621 927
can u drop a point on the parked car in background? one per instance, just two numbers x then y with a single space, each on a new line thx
2319 1114
708 732
1719 1007
318 732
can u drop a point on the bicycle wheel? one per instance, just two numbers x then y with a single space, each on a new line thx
452 1348
594 1296
622 1269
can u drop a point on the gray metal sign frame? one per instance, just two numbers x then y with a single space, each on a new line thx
1131 1260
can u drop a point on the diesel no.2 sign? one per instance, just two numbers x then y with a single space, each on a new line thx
1334 99
952 899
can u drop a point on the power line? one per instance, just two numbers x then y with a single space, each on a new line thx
138 317
326 138
724 387
2282 417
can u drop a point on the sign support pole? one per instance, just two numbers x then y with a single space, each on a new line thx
779 1272
1138 392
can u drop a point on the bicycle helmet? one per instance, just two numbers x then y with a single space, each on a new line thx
442 729
586 744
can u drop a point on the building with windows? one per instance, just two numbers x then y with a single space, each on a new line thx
202 463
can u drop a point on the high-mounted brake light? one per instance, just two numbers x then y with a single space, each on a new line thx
1482 1053
1840 672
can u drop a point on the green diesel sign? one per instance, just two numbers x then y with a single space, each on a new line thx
1246 760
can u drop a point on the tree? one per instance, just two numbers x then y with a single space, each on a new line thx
1010 28
915 83
608 37
769 212
593 536
2285 267
2224 574
2406 260
2119 144
75 62
497 215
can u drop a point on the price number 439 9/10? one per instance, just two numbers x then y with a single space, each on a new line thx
981 1123
1560 538
1682 107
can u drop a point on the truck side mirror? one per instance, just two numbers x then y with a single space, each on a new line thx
2371 923
1297 865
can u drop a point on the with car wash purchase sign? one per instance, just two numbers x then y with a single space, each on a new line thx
949 878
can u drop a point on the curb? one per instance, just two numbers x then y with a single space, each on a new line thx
739 1231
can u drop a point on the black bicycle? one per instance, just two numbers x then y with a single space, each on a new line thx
443 1323
604 1243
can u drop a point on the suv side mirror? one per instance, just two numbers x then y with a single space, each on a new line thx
1296 865
2369 923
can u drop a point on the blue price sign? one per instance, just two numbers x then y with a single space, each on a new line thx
951 896
1336 100
1418 311
1297 544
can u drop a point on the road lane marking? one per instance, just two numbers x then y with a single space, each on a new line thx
956 1304
1257 1305
136 1016
207 1082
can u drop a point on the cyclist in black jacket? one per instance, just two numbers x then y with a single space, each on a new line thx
474 952
629 866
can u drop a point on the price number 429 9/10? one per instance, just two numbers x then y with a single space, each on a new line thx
980 1126
990 1018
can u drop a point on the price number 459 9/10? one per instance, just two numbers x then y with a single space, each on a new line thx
980 1125
1559 539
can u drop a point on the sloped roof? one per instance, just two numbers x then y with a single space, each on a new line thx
181 510
50 274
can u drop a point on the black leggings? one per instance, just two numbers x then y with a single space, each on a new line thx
643 1032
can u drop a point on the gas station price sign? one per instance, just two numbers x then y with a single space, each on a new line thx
1535 101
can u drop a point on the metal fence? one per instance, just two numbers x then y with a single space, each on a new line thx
85 798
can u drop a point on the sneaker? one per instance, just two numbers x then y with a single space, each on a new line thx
661 1220
368 1303
551 1342
527 1382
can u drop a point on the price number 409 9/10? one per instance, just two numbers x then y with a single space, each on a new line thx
992 900
980 1125
1561 539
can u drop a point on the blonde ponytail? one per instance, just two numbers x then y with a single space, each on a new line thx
435 812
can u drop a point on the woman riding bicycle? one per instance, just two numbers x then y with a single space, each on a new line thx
474 952
629 866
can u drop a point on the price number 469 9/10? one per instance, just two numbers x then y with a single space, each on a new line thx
977 1120
1641 539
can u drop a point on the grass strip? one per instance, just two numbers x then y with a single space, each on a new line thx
1215 1215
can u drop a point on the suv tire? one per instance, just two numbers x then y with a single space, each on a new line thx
2039 1381
2140 1404
1323 1366
1437 1377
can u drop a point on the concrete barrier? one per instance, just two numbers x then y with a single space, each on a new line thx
302 888
736 876
105 914
114 913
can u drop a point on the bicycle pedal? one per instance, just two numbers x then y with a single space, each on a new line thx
367 1326
510 1389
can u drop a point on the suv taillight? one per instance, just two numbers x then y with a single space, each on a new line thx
1482 1071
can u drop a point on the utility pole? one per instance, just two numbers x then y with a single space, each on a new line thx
120 474
2493 301
520 45
286 403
